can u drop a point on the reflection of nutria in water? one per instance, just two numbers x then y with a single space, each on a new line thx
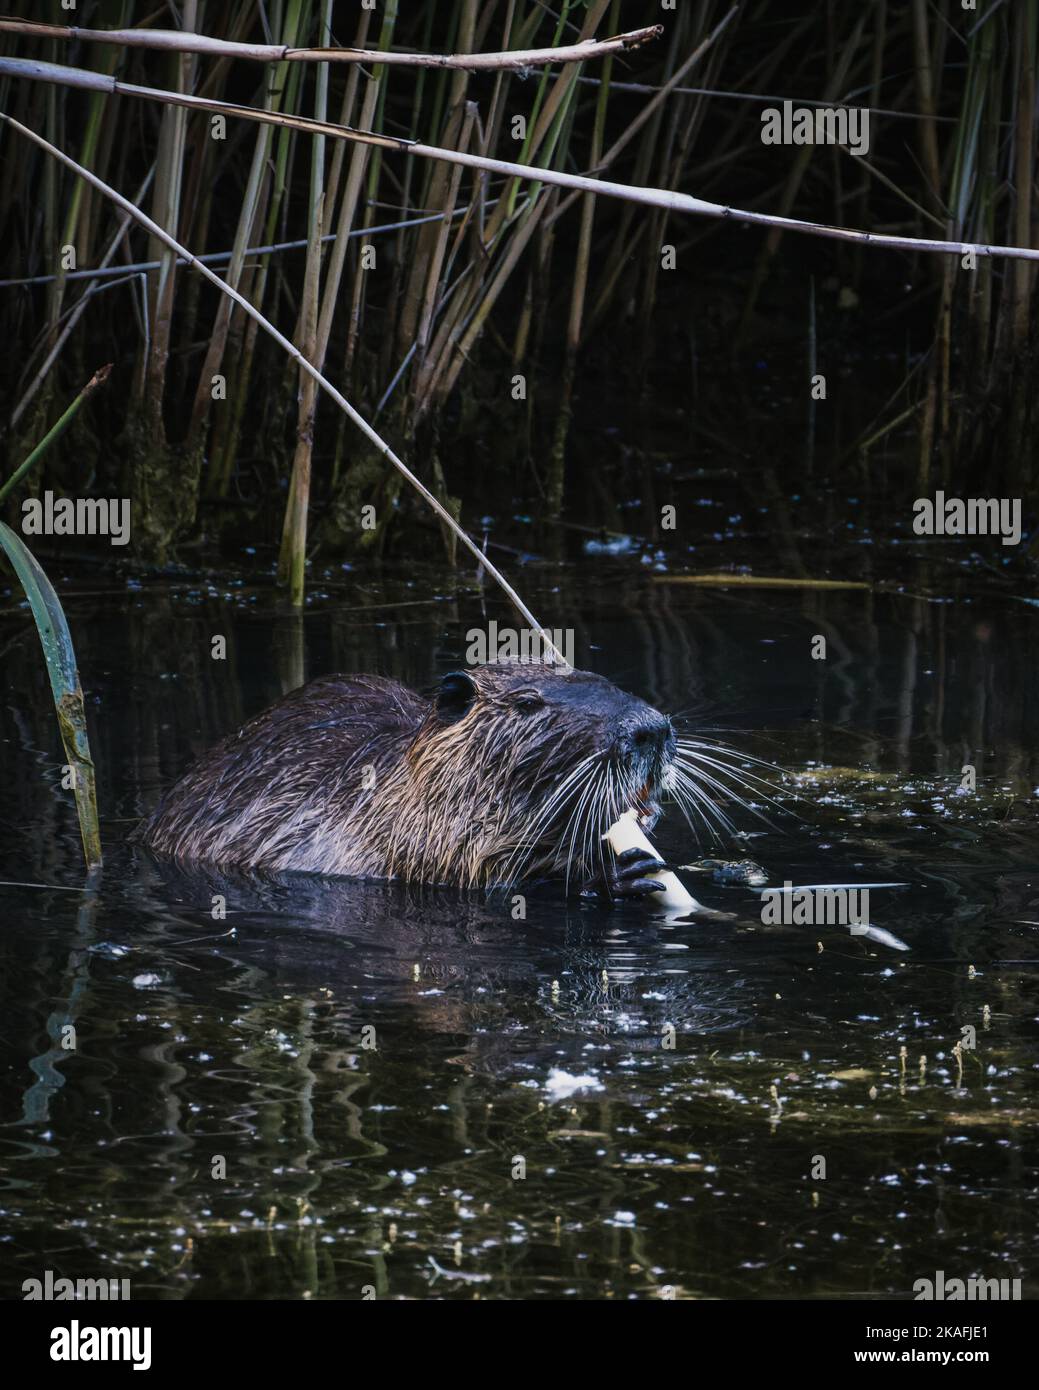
509 772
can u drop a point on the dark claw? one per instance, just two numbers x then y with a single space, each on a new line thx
629 876
637 862
636 887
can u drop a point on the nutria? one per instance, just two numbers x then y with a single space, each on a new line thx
509 772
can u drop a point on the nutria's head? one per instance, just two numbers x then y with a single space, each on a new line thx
522 767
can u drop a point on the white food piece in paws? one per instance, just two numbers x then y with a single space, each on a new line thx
626 833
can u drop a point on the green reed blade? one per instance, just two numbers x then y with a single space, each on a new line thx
60 657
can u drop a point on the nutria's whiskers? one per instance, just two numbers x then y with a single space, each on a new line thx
572 785
691 798
696 756
700 749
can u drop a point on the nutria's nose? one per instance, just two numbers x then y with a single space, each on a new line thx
648 734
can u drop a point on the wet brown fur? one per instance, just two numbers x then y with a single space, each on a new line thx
359 776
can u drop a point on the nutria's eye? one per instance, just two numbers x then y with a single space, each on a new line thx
455 697
529 704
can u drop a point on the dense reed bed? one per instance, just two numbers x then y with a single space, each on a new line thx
445 301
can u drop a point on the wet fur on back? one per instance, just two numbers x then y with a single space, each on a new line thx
279 793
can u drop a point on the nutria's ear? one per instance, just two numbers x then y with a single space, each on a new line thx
455 696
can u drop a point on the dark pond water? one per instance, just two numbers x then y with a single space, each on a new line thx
221 1129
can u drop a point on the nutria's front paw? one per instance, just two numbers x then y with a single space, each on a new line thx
629 875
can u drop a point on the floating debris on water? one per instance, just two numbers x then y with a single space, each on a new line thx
561 1084
732 873
880 936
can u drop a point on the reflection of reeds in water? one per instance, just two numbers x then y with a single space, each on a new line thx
513 273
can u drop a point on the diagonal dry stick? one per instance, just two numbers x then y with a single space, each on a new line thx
649 197
362 424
